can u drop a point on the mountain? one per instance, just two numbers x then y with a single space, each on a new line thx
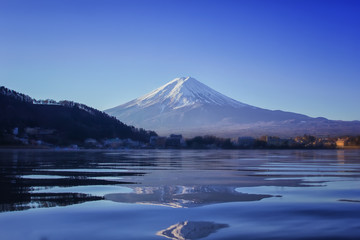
185 105
59 123
183 196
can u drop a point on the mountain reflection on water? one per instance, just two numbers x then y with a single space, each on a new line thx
175 194
175 178
183 196
190 230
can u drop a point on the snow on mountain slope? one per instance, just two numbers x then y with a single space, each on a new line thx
184 92
185 105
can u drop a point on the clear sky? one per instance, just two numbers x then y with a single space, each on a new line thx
300 56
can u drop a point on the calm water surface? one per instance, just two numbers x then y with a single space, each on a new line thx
174 194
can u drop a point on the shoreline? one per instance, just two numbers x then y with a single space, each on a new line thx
126 149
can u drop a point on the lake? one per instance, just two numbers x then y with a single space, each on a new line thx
180 194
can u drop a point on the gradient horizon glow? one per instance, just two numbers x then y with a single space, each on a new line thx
301 56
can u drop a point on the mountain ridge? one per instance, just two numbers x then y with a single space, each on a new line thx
185 105
66 122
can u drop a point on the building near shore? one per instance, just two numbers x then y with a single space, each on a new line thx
175 141
342 142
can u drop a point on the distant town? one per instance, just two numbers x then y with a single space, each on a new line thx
29 123
34 138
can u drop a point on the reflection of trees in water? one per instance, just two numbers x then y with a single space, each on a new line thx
19 192
191 230
195 177
46 200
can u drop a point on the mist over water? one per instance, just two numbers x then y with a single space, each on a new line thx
180 194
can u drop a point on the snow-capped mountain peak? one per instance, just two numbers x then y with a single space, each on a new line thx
184 92
187 106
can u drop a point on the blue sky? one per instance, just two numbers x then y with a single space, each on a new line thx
300 56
